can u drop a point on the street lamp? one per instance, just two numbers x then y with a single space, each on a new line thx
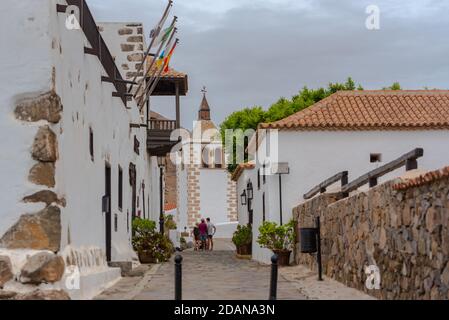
161 164
243 198
250 192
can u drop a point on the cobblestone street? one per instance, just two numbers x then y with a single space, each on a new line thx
219 275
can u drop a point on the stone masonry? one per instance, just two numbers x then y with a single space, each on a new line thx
401 227
232 199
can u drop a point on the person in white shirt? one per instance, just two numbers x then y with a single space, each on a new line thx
211 230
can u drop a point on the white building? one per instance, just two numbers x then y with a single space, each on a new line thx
205 187
348 131
75 166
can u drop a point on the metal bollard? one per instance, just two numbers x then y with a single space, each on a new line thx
274 277
178 278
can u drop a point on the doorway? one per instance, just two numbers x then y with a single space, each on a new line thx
108 213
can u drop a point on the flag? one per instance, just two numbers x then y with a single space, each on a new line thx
168 58
162 57
164 35
155 32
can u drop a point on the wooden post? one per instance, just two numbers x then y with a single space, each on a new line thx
178 109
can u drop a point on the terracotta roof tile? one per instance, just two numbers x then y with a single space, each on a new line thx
422 179
171 73
242 167
372 110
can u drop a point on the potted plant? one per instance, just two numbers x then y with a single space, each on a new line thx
279 239
243 239
151 246
169 224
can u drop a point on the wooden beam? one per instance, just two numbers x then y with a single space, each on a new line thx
106 79
61 8
372 176
321 188
90 51
121 94
178 107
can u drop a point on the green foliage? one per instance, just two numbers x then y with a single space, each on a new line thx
276 237
243 236
394 86
250 118
147 240
170 223
143 226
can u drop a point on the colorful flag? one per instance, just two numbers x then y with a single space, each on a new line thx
163 37
155 32
168 58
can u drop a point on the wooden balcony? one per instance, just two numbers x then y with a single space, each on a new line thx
159 133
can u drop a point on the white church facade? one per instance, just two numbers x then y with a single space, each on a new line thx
205 187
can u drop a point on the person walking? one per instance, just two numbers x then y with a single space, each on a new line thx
196 236
211 230
203 234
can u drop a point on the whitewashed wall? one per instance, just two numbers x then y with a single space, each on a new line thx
26 64
181 172
88 103
36 48
315 156
213 184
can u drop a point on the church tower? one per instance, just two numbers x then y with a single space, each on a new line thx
204 113
205 186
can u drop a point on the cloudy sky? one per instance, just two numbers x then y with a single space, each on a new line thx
251 52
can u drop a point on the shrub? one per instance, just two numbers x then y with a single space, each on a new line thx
147 240
276 237
243 236
170 223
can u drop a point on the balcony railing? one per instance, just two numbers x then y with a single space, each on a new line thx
162 125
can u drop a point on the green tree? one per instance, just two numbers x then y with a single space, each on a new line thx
394 86
250 118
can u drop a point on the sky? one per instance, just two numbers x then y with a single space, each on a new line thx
252 52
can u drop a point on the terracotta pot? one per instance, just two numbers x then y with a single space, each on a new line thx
146 258
245 250
283 257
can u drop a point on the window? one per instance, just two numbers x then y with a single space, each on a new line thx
136 145
218 158
375 157
120 188
263 207
91 144
263 174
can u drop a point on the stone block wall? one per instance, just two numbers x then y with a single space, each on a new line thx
402 227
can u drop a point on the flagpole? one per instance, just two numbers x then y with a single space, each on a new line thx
175 30
156 80
155 35
155 56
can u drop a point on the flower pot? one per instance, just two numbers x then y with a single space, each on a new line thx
283 257
245 250
147 258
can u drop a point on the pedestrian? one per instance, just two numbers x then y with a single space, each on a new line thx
211 230
196 236
203 234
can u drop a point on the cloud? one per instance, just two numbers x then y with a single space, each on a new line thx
252 52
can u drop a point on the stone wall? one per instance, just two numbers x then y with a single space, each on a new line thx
402 227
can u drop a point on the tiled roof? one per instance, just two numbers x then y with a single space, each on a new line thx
242 167
171 74
170 207
423 179
372 110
